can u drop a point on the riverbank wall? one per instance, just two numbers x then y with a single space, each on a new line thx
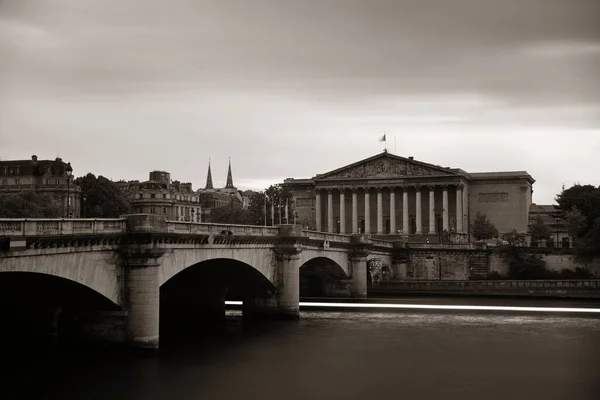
584 288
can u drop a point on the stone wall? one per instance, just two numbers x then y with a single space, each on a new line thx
463 264
537 288
556 260
442 264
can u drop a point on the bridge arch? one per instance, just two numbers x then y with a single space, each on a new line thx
259 259
94 270
322 276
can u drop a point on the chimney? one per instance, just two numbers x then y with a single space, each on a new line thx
411 158
34 158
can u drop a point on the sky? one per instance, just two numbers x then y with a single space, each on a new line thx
290 88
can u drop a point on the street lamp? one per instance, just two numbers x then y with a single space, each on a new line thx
69 172
84 197
557 221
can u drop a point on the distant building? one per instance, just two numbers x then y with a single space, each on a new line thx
45 176
391 195
554 219
159 195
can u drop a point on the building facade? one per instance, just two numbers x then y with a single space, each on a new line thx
159 195
391 195
51 177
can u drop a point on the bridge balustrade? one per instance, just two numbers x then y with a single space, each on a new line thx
217 229
332 237
38 226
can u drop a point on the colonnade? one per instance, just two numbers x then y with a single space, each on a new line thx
419 192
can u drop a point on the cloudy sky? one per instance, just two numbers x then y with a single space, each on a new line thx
292 88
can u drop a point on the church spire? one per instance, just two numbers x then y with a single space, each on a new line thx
209 184
229 184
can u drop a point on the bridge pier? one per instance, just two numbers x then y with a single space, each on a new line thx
285 302
358 289
358 264
142 297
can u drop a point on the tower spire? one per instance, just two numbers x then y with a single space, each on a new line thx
209 184
229 184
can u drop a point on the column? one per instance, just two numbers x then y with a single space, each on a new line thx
392 211
419 218
358 262
318 210
405 211
459 209
445 208
329 211
342 211
431 209
354 212
367 212
142 291
379 211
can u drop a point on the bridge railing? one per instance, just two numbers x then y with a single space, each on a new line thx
77 226
218 229
332 237
381 243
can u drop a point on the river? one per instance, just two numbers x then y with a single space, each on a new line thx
405 354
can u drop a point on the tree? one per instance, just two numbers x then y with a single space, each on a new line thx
539 230
103 197
29 204
482 228
278 196
581 205
230 215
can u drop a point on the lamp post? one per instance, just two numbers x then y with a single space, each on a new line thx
69 173
84 197
557 221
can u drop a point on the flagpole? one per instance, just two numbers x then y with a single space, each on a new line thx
394 144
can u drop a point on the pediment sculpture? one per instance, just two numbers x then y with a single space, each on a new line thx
383 168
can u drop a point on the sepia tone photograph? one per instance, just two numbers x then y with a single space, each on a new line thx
300 199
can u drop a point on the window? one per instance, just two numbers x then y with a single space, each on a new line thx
17 181
152 196
47 181
164 210
153 210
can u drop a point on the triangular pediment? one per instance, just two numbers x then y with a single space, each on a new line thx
386 165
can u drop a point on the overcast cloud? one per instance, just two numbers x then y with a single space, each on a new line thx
296 88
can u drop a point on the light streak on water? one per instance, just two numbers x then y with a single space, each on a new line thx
439 307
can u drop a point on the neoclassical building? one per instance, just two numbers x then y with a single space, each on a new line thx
391 195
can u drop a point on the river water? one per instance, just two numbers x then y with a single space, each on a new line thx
341 355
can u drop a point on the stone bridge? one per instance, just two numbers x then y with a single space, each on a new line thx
133 261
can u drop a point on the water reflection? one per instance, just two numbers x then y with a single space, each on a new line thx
342 355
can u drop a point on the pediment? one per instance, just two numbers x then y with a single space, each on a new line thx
386 166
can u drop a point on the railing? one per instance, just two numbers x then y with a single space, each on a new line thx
331 237
41 227
217 229
381 243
